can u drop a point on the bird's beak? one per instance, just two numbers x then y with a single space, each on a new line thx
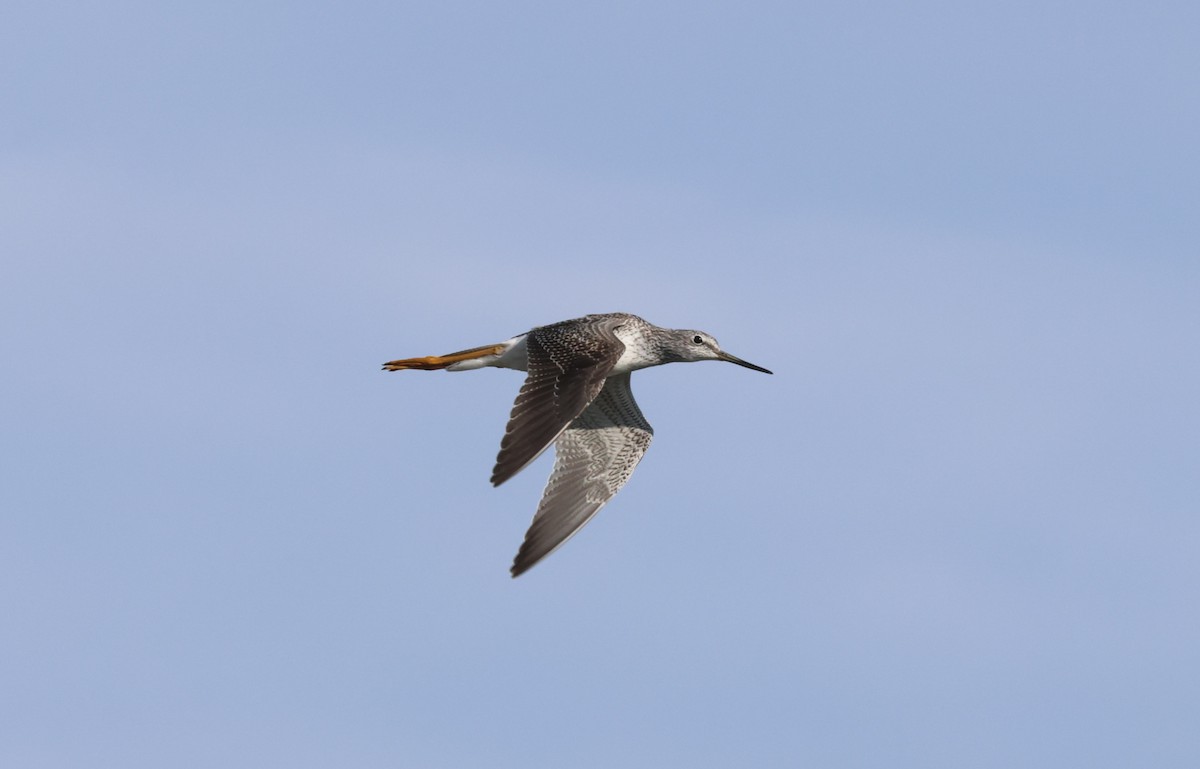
734 359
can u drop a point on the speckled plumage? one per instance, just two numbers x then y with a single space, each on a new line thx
577 397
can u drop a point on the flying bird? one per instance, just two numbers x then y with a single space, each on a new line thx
576 396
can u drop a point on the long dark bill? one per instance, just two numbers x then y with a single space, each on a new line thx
734 359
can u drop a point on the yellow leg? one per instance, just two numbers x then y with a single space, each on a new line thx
435 362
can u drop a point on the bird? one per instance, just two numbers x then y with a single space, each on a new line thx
576 396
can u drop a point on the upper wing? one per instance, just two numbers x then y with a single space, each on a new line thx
595 456
568 363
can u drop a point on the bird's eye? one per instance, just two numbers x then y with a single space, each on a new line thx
697 339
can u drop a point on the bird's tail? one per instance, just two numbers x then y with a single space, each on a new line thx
435 362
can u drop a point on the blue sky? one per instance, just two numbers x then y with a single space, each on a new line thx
958 527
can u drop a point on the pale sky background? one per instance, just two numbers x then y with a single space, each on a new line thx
960 526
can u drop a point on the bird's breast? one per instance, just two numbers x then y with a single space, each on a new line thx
636 355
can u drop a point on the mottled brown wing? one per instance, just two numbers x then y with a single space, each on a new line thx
568 363
595 456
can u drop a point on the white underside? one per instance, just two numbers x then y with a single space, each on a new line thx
514 356
633 357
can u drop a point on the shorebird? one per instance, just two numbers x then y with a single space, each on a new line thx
577 397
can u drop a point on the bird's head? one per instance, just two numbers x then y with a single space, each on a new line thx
689 345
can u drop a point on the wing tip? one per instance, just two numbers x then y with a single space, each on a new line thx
523 563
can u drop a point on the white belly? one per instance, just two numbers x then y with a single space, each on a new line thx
514 356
